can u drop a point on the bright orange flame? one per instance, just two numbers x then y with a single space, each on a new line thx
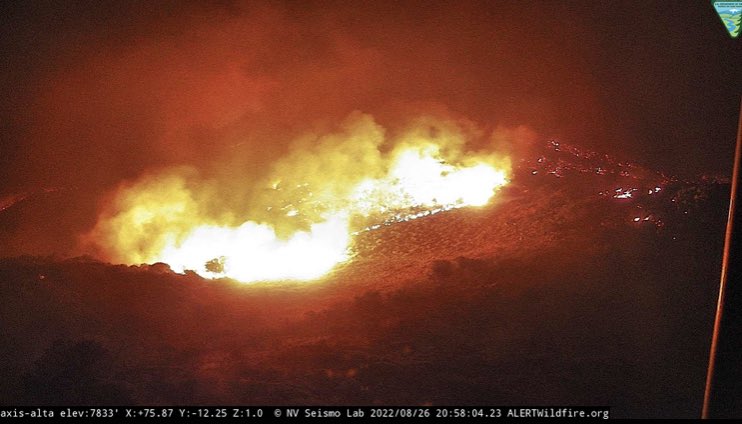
317 196
253 252
420 177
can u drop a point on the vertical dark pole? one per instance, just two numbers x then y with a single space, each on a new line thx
721 397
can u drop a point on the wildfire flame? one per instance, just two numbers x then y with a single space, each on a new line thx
315 201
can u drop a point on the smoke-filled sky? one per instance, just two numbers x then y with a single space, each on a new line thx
95 94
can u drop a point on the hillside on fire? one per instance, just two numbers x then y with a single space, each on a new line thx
346 203
556 294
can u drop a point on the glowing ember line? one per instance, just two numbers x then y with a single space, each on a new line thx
624 194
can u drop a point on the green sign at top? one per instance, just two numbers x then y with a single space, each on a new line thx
730 13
